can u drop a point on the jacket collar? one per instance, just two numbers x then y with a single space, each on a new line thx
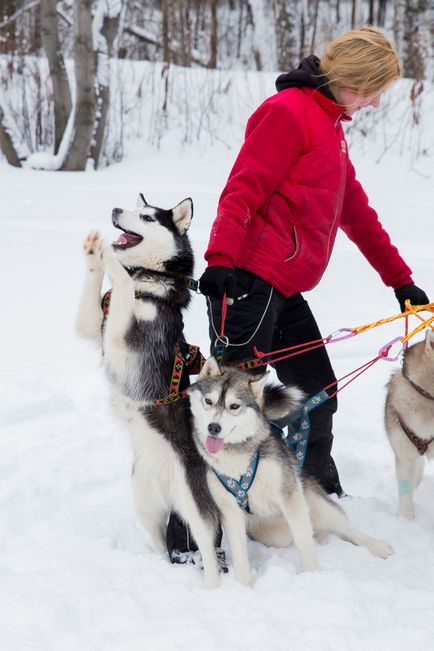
335 110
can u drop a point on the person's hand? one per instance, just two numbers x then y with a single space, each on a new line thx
217 281
413 293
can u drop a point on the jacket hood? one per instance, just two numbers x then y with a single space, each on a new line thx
309 74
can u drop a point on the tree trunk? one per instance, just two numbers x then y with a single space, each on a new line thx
356 14
6 144
213 36
314 25
416 36
107 35
85 99
59 78
165 24
286 33
304 26
371 12
381 15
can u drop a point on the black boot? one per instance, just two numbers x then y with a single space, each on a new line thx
182 547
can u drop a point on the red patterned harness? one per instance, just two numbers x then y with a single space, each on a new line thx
191 358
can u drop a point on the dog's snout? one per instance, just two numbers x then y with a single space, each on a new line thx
214 429
116 212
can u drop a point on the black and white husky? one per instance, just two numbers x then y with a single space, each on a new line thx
147 266
252 474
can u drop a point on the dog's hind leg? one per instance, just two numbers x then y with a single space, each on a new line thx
328 517
151 508
271 531
296 512
89 316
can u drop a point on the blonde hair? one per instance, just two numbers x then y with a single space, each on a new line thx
362 60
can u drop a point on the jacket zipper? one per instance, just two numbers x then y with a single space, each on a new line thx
338 202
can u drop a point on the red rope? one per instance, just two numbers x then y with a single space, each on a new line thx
224 312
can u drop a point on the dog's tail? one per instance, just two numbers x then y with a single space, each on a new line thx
280 401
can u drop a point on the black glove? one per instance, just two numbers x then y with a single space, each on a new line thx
215 281
413 293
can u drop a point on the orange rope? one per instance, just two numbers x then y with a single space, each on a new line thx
410 309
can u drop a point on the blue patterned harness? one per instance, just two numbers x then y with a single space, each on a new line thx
239 489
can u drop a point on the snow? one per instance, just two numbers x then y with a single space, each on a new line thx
77 572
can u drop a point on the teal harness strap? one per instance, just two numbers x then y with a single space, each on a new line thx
239 489
299 438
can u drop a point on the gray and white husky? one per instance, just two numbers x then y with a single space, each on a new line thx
409 418
231 417
147 266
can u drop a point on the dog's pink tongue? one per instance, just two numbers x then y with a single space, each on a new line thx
214 444
121 239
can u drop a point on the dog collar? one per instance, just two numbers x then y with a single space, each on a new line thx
239 489
415 386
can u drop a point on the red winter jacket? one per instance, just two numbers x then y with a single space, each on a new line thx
289 190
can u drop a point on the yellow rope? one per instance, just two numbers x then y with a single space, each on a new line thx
409 309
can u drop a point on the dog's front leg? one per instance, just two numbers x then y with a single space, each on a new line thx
89 316
121 311
234 526
406 470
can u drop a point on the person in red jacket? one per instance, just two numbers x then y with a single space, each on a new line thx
291 187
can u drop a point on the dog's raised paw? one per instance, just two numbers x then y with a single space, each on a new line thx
91 243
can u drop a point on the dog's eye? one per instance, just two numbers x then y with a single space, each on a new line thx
234 406
147 218
208 401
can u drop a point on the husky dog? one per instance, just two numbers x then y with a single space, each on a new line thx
271 502
409 418
147 266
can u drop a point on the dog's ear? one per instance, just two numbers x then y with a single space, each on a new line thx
210 369
429 341
257 384
281 401
141 201
182 215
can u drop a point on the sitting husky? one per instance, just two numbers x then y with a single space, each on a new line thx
252 473
142 332
409 418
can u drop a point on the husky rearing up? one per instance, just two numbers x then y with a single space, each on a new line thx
147 266
409 418
271 502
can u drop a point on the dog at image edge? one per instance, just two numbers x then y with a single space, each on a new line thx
231 417
139 336
409 418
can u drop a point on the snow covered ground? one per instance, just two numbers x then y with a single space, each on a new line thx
76 570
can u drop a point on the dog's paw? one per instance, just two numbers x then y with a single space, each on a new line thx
380 548
92 251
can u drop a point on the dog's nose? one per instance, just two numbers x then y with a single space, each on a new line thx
214 429
116 211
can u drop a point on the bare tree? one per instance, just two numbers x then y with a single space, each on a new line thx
286 16
356 13
106 31
59 78
416 35
6 143
85 97
213 35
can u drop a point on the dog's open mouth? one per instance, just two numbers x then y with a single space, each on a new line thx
127 239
